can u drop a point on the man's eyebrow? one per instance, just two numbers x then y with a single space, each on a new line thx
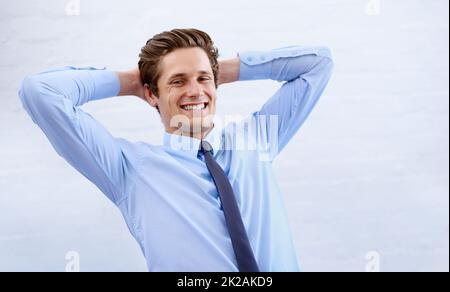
184 74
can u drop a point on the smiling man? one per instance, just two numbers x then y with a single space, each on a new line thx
202 201
186 81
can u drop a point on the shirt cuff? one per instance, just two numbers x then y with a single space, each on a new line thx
106 83
254 66
257 65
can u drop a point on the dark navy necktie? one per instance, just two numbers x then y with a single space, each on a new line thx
241 245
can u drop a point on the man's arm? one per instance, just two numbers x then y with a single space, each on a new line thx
306 71
228 71
53 99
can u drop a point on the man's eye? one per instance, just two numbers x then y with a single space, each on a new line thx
177 82
204 78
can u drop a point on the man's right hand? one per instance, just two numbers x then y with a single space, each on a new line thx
130 83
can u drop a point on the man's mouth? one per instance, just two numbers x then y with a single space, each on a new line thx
195 107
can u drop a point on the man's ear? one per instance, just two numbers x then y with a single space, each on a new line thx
150 97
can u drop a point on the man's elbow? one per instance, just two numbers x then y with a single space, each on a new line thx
29 88
327 62
31 93
326 53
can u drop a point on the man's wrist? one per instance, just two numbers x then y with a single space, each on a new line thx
229 70
130 83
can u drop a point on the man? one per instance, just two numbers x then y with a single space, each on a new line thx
203 201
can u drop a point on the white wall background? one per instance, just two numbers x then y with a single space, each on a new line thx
369 171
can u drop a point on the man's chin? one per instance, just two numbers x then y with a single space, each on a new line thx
196 130
193 126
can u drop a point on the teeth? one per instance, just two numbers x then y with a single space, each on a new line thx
194 107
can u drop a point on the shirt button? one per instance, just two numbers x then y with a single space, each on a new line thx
249 59
263 58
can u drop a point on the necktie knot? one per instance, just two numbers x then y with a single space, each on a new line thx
206 147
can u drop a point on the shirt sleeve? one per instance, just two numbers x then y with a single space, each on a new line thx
53 99
306 71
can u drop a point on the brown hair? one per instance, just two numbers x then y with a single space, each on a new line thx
168 41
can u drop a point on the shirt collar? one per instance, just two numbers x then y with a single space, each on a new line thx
192 145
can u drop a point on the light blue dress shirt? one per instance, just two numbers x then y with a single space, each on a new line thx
165 192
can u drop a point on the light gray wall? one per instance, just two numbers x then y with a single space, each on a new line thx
368 171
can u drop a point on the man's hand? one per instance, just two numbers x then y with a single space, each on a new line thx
130 83
228 71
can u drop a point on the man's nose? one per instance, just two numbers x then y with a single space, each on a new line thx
195 89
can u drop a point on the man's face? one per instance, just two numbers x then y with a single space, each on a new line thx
187 92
